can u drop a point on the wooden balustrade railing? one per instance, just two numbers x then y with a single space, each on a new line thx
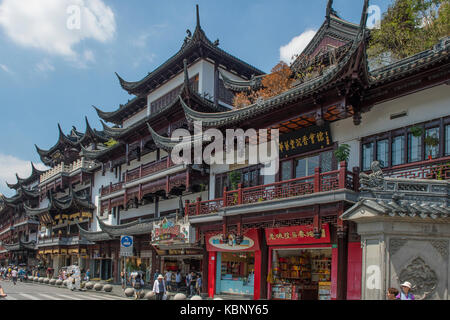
140 172
63 168
319 182
148 169
430 169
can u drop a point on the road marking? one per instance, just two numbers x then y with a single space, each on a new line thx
28 296
66 296
48 296
108 297
9 297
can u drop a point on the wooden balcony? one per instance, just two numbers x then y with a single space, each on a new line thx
438 169
140 172
319 182
148 169
68 169
104 191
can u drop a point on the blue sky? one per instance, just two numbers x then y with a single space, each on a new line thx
50 74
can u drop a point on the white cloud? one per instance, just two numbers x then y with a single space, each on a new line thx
142 39
296 46
57 26
5 69
44 66
9 166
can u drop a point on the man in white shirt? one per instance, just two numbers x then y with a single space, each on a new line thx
14 275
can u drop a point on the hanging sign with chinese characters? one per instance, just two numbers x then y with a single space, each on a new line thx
297 235
305 140
217 243
166 232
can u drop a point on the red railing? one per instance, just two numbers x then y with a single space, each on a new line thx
104 191
319 182
148 169
430 169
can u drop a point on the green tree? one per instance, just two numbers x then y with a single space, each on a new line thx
409 27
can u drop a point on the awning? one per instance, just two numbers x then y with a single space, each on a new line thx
188 246
185 256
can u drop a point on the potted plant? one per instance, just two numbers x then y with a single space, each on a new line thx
416 131
431 141
235 179
342 153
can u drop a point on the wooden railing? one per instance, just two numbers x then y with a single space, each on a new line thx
63 168
431 169
319 182
140 172
148 169
104 191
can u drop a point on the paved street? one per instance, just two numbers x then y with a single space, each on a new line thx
30 291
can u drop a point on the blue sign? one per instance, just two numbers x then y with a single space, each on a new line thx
126 242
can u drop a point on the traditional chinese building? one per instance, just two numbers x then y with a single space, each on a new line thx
262 236
281 236
18 235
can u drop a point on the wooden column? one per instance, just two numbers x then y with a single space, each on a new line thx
205 265
216 84
342 239
264 264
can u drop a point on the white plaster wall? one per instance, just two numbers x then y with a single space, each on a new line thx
421 106
150 157
138 116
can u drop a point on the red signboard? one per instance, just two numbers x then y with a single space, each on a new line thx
216 243
296 235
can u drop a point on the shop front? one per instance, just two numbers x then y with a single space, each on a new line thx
301 266
173 241
234 264
100 265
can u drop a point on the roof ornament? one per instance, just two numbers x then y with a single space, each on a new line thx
364 17
198 16
216 43
373 181
330 11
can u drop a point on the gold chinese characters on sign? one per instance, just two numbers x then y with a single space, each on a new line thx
305 140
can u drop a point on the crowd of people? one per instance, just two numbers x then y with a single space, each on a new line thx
403 294
191 283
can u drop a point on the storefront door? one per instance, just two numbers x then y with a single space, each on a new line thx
234 268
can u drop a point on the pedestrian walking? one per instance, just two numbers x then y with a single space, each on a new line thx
168 277
159 288
392 294
123 279
405 292
178 280
155 276
14 275
198 284
192 284
138 284
88 275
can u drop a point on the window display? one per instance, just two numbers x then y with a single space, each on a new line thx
237 273
301 274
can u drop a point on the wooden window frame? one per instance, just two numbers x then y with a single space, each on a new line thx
440 123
